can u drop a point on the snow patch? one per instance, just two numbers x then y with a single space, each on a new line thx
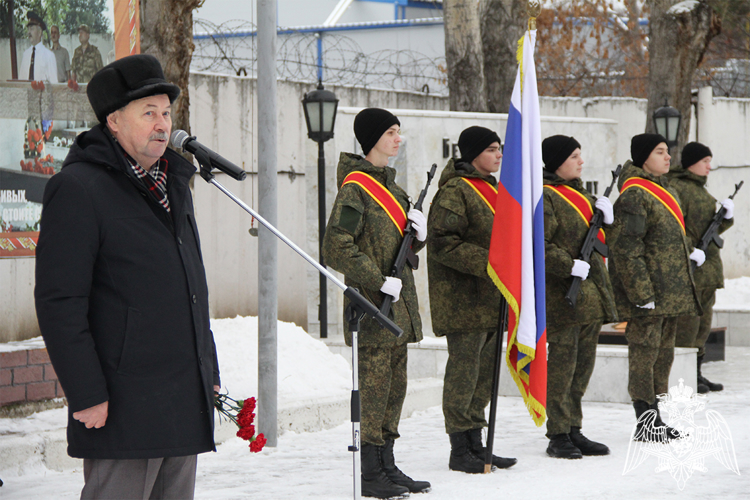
735 296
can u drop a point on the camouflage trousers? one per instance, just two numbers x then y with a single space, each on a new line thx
693 331
650 356
382 389
467 387
570 363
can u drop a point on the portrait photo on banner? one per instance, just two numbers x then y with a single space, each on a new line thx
49 50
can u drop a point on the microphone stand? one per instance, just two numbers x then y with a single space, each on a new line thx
358 307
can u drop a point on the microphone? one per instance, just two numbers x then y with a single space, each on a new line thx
206 157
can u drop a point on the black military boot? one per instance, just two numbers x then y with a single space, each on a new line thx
394 473
475 440
588 448
462 458
705 382
374 481
672 433
640 408
560 446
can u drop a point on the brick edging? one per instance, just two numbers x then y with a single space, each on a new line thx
27 376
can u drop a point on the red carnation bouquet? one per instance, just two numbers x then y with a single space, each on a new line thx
241 412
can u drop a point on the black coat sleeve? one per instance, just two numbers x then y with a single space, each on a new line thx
65 260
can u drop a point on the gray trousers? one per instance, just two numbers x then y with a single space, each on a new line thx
141 479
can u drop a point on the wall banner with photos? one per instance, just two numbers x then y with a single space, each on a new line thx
46 59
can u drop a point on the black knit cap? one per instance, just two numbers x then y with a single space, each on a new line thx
474 140
126 80
370 124
556 149
642 145
693 152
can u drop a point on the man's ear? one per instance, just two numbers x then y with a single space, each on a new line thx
112 121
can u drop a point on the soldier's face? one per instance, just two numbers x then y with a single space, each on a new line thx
142 128
572 167
83 36
35 34
54 33
389 142
488 161
658 161
701 168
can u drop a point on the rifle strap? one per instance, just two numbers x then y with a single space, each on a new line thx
661 194
579 203
486 191
382 197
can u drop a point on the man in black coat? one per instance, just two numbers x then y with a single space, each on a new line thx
121 294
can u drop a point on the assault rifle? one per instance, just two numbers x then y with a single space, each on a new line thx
591 242
405 253
712 233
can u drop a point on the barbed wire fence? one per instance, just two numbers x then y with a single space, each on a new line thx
306 55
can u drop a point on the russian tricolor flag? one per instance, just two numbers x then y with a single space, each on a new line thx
516 261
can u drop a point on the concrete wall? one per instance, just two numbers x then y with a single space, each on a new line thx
223 111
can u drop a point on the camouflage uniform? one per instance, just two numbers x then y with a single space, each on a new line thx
361 242
699 207
649 263
572 333
464 302
86 64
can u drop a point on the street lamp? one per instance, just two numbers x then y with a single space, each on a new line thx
320 115
667 123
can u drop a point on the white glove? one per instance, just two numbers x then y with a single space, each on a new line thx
650 305
392 287
418 222
580 269
605 206
699 256
729 205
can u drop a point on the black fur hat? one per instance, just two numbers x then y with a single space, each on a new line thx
126 80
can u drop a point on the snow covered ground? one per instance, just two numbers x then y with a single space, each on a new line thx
318 465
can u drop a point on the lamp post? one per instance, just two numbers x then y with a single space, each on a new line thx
320 115
667 123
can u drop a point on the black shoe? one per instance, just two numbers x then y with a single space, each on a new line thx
645 432
475 440
462 458
374 481
560 446
703 389
394 473
588 448
704 381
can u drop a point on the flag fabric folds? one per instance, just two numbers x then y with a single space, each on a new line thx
516 258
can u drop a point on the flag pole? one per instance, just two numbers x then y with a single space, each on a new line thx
533 9
495 385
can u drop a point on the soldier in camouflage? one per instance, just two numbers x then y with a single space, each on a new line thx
362 241
86 59
698 208
464 302
572 332
650 271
